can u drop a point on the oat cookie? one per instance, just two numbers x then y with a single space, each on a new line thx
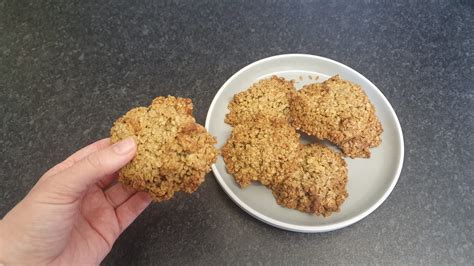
339 111
263 150
268 98
174 153
319 185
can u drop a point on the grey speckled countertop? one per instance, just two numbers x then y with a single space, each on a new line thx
69 68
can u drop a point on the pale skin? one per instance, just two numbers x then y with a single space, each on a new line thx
75 212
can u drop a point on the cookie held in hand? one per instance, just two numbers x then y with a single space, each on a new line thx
174 153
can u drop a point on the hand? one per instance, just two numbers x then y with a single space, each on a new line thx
72 216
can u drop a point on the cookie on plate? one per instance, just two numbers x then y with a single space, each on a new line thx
262 150
318 186
339 111
174 153
268 98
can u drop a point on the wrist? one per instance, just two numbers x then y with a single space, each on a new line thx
5 256
3 237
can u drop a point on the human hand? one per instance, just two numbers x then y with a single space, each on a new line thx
72 216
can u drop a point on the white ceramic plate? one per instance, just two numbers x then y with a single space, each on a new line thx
370 180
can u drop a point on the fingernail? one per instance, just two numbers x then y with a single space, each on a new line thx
124 146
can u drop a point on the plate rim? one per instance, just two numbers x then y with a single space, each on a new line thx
308 228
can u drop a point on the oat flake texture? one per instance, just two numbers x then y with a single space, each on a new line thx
268 98
262 150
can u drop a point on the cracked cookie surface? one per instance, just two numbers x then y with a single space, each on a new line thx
318 186
339 111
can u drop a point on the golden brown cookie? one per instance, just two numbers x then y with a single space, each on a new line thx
339 111
318 186
268 98
174 153
263 150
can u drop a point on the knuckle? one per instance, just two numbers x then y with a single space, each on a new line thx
95 161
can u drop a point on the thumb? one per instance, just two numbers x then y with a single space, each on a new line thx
76 179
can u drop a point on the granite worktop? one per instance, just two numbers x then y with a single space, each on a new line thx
68 69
